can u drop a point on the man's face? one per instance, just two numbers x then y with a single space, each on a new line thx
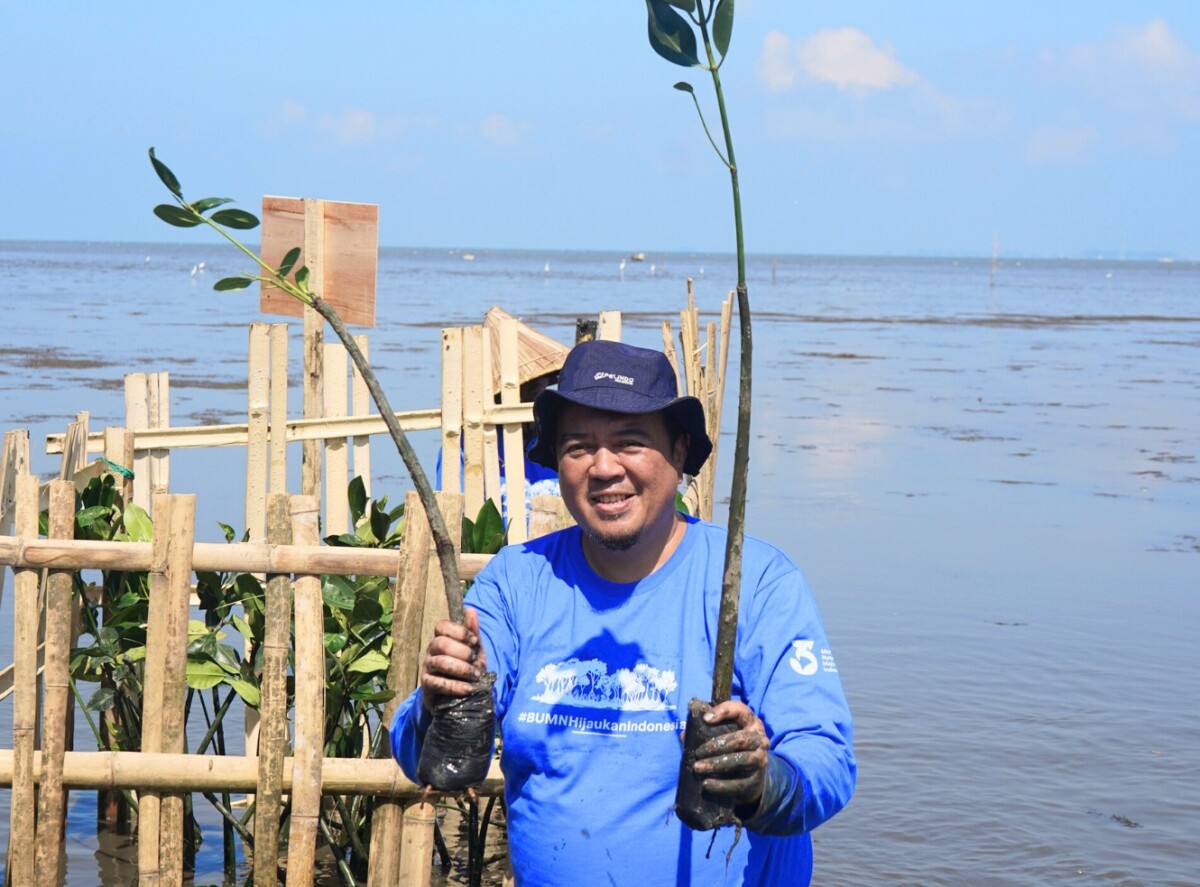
619 475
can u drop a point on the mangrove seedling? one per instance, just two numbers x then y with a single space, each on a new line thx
450 761
673 37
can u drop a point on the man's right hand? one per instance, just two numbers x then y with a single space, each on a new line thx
454 659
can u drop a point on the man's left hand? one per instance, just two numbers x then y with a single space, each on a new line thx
734 765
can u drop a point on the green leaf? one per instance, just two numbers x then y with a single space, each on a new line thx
488 524
335 641
338 592
356 494
88 516
371 696
249 693
369 662
302 277
203 206
289 261
684 86
723 26
102 699
138 524
670 34
380 523
165 174
681 503
685 5
235 218
230 532
176 215
230 284
204 674
242 628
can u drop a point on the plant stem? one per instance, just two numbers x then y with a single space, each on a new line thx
437 524
732 579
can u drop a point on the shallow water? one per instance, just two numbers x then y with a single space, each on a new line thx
992 484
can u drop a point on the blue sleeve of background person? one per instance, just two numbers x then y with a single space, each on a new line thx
787 675
411 720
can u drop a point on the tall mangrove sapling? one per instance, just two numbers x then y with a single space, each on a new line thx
674 38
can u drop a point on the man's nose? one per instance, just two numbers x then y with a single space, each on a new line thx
605 463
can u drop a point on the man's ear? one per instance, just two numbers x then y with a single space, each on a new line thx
683 444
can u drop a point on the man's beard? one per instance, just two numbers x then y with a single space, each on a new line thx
618 542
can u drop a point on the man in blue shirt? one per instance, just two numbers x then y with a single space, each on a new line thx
601 633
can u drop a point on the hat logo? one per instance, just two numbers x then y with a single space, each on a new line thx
619 379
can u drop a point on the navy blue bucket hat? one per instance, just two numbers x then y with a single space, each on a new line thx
619 378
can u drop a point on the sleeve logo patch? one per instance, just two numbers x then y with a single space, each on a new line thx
804 660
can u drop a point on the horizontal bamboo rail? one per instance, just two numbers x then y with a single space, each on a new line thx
297 430
22 553
236 773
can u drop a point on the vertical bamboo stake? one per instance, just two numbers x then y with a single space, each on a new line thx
450 504
74 447
310 705
337 512
412 576
137 418
610 326
160 417
514 436
314 326
491 447
277 482
25 627
118 449
150 802
179 586
273 733
417 845
257 409
51 806
669 351
14 462
360 405
473 483
452 408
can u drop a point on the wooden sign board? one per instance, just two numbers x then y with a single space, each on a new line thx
340 248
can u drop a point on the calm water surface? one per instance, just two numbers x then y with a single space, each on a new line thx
992 484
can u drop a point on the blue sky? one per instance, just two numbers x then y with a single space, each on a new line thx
1057 129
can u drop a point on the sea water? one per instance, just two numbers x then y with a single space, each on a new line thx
989 475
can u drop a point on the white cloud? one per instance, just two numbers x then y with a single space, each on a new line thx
844 57
1144 70
499 130
352 126
1060 144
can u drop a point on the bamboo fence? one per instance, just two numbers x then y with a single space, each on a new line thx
284 752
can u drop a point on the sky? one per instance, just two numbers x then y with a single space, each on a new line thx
1066 129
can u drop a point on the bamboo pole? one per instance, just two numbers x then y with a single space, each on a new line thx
150 802
22 825
472 381
137 418
213 556
160 417
179 574
273 726
337 473
412 578
296 430
417 845
609 326
314 337
310 705
452 406
51 806
360 405
514 435
257 411
277 432
144 771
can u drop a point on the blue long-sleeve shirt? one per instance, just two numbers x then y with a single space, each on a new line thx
594 679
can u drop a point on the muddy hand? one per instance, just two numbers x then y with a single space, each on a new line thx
454 659
734 765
